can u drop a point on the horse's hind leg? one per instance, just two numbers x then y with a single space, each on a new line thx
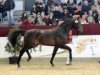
53 55
29 56
20 55
69 59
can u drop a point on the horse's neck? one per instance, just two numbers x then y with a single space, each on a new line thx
63 31
66 29
66 26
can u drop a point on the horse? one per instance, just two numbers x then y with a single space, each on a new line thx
52 37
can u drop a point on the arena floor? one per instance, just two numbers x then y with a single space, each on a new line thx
41 66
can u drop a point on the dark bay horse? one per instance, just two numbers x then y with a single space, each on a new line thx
52 37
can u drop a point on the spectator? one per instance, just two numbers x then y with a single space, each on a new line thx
47 20
94 13
78 11
1 13
90 18
98 2
33 17
40 18
64 5
33 9
27 23
84 18
24 16
75 2
56 14
46 9
38 8
9 6
71 7
91 2
50 3
98 10
86 7
65 14
97 7
4 12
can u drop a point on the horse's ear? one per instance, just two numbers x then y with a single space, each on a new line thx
79 18
76 17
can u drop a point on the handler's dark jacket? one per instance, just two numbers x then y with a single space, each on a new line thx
9 4
1 8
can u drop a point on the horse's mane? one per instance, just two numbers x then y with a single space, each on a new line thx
67 20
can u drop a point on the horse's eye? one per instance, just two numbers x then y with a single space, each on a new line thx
76 21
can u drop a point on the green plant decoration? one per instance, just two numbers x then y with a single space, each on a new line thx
14 50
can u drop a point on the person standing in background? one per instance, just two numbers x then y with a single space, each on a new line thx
9 6
2 11
1 15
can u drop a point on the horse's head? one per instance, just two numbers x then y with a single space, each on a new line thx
71 23
77 25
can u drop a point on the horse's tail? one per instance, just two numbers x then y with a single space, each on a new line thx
12 36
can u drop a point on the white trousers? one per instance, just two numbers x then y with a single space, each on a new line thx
10 17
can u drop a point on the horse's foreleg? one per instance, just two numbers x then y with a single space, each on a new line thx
69 59
20 55
29 56
53 55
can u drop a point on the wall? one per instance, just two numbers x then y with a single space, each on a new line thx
19 5
29 4
82 46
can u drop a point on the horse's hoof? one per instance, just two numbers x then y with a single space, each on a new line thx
53 65
18 67
28 59
68 63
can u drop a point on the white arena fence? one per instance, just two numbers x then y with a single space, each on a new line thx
82 46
